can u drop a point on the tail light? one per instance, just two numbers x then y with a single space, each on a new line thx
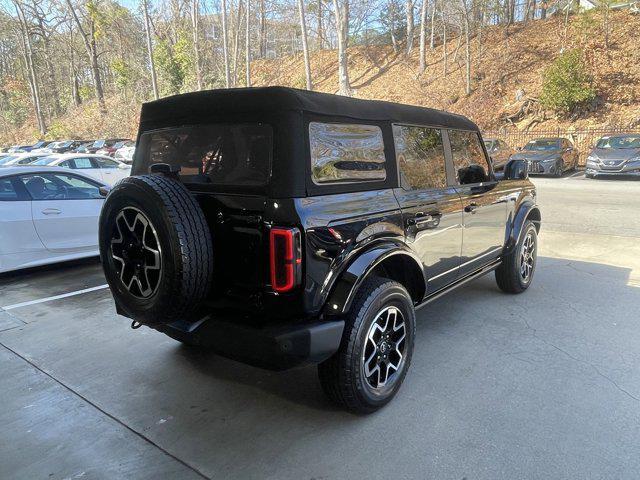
285 255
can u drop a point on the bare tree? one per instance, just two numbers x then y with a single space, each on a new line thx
433 24
225 45
341 12
152 65
467 47
320 31
410 25
423 35
445 65
247 46
195 20
305 45
28 56
90 44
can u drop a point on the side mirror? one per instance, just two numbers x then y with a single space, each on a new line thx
104 191
516 170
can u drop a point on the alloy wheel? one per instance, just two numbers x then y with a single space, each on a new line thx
136 250
527 257
384 352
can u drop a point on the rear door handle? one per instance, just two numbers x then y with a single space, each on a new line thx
471 208
51 211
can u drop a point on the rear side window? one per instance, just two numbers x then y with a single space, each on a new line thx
220 154
346 153
468 157
420 154
7 191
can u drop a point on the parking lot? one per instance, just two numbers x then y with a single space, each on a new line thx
541 385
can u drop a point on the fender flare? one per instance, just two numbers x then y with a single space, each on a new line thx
527 210
352 278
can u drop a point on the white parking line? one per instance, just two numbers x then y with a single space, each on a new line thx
55 297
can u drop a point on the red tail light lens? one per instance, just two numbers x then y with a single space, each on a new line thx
285 258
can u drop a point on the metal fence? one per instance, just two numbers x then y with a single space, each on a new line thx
583 140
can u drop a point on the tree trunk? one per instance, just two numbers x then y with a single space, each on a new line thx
225 45
195 20
263 30
236 43
305 46
152 65
320 33
409 26
247 46
341 11
444 43
33 80
423 35
433 24
467 47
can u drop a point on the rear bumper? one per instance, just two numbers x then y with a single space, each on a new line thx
275 347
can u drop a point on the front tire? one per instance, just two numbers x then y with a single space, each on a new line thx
515 273
375 353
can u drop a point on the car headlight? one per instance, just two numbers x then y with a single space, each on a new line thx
549 160
634 161
593 158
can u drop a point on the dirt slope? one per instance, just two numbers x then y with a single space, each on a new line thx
511 59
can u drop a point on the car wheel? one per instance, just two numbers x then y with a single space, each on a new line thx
156 249
375 353
515 273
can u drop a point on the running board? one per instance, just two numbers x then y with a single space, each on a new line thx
484 270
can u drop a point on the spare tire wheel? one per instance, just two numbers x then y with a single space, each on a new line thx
156 249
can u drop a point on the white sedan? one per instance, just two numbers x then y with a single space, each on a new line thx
17 159
100 167
47 215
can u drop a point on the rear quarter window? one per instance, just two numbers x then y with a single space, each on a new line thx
218 154
346 153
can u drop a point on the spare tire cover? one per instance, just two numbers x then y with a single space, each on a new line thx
156 249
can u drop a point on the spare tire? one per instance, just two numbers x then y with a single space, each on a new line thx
156 249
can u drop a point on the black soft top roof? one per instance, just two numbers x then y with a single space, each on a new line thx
198 107
287 111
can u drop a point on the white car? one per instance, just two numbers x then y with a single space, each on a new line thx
16 159
125 154
47 215
100 167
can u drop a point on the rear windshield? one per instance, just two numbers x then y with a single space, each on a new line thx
220 154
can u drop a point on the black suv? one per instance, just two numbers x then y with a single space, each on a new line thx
280 227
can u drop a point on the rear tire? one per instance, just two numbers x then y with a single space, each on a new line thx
156 249
515 273
375 353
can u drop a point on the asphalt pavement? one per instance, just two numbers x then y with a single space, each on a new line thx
540 385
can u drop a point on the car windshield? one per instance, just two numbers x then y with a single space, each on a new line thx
619 142
99 143
225 155
543 145
7 159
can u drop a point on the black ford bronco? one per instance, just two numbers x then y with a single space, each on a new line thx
281 227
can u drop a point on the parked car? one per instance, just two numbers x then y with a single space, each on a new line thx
317 254
614 155
25 158
18 148
111 149
47 215
99 167
101 144
44 148
549 156
499 151
125 154
63 146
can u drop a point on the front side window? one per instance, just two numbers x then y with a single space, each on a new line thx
7 191
220 154
420 154
82 163
469 160
346 153
50 186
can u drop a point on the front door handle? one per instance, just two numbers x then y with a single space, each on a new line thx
471 208
423 221
51 211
